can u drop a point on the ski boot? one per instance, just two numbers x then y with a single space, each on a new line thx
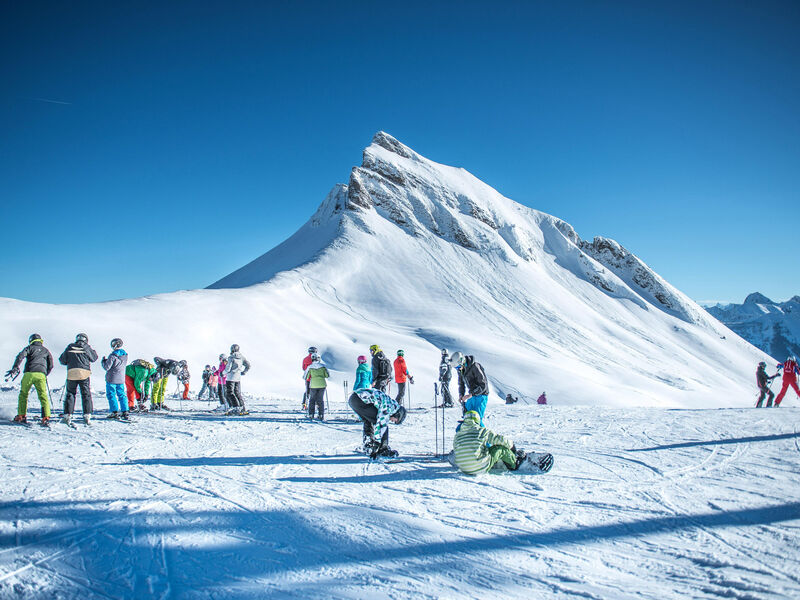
164 407
66 419
21 419
521 456
45 422
387 452
142 407
87 419
113 415
124 416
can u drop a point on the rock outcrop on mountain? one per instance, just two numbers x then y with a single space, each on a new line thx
774 327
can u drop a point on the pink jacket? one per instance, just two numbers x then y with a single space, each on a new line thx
221 373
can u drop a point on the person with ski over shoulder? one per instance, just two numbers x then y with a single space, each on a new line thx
307 360
381 368
763 380
363 374
790 371
38 365
115 365
78 358
445 374
473 387
401 377
477 449
138 384
236 367
376 410
316 375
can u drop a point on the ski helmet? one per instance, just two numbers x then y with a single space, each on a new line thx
361 359
208 366
400 415
457 359
374 349
400 353
444 351
222 357
116 343
234 348
762 364
315 356
33 337
82 337
312 349
176 367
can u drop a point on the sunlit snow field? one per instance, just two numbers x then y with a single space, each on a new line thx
641 503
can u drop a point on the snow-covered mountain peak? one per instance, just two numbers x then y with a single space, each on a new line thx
757 298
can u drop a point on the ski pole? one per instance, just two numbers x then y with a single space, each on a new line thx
327 404
409 395
443 433
436 418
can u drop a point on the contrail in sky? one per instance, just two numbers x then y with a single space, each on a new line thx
51 101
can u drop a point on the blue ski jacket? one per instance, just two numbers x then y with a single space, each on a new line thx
363 377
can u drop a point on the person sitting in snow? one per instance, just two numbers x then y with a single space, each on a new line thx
510 399
376 410
316 375
477 449
542 399
763 380
473 387
363 374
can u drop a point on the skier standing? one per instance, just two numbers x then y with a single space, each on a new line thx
315 375
473 387
376 410
381 368
78 358
138 383
401 377
184 376
790 371
213 382
221 380
763 380
38 364
363 374
205 376
114 366
445 374
306 363
236 367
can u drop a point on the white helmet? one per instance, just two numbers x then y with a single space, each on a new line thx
456 358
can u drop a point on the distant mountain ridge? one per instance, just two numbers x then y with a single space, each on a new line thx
773 327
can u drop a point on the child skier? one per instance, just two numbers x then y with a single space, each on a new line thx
315 375
213 382
114 366
401 376
363 374
78 358
790 371
184 376
376 410
38 364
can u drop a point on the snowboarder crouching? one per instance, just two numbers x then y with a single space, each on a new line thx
377 410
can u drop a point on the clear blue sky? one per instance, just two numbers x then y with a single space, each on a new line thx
153 146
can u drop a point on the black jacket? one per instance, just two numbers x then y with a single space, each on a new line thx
473 376
381 368
445 371
164 366
79 355
37 359
762 377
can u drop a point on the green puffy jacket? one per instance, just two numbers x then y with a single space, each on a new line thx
471 445
140 374
317 376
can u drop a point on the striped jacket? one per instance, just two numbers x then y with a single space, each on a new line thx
385 405
471 445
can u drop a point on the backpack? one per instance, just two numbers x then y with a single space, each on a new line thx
139 362
385 367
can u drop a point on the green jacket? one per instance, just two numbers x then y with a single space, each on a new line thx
140 374
471 445
317 376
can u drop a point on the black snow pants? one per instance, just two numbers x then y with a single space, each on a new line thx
369 415
316 397
447 399
764 392
233 392
221 393
401 393
86 396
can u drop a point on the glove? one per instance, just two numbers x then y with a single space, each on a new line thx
244 373
12 373
411 379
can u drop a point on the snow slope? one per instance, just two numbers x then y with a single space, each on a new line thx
417 255
774 327
642 503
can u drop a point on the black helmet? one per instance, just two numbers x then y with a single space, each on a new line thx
762 364
208 366
82 337
444 351
222 357
400 415
116 343
234 348
312 349
33 337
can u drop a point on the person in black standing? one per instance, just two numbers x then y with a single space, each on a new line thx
381 368
445 374
763 381
78 358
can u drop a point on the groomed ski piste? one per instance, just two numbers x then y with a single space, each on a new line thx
667 483
641 503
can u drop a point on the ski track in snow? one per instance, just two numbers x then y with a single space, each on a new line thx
641 503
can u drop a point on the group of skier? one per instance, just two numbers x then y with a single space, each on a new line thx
789 369
128 386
